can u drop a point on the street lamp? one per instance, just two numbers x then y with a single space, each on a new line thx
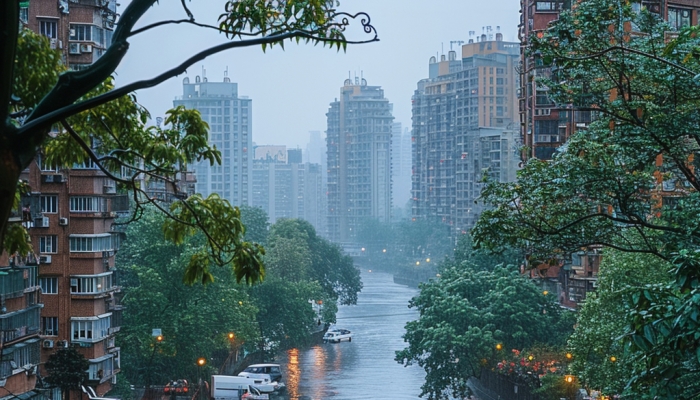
158 339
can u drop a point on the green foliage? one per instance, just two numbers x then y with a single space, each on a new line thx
67 369
468 311
628 182
604 319
194 319
256 224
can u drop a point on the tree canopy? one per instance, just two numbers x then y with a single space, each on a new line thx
629 180
466 313
194 321
73 117
67 369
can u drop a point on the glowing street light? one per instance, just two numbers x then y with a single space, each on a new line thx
499 347
201 361
569 378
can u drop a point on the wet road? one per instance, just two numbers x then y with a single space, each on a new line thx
364 368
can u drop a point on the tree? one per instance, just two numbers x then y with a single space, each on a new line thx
629 181
466 313
605 317
67 369
256 222
103 124
194 320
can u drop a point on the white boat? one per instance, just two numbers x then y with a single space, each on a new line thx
337 336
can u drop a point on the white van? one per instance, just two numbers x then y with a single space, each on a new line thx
225 387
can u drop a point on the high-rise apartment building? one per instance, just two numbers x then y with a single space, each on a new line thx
287 188
69 214
230 119
358 142
451 107
400 166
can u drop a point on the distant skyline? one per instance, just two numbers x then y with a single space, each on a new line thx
291 89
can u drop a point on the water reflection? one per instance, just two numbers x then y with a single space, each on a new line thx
363 368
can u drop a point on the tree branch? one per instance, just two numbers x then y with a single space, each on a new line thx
61 113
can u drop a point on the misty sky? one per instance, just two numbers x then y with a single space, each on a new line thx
292 88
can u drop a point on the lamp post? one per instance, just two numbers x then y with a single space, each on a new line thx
201 362
158 339
569 381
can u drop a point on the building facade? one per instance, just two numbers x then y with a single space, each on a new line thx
69 215
358 140
230 119
287 188
400 166
451 109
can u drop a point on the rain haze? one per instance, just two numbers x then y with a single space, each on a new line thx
292 88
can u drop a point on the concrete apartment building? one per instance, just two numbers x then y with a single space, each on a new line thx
358 140
545 126
66 295
400 166
285 187
451 147
230 119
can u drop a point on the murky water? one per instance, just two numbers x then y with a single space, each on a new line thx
363 368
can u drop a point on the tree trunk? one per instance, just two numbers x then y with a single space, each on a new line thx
9 176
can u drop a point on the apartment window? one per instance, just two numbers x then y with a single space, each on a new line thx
49 326
90 328
48 244
101 369
49 204
24 12
49 285
90 243
678 17
81 33
548 6
48 28
87 204
91 284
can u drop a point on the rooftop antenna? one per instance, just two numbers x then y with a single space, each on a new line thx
457 42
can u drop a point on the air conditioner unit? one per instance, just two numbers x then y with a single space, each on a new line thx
86 48
58 178
53 43
47 178
63 221
74 48
110 189
62 344
45 259
41 222
32 370
48 344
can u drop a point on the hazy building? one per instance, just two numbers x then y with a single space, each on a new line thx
316 148
358 140
230 119
460 96
287 188
400 165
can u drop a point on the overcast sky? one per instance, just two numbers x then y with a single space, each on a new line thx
292 88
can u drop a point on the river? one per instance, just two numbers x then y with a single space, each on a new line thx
363 368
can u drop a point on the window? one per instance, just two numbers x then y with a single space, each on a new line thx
91 243
49 326
49 285
101 369
48 28
678 17
87 204
24 12
548 6
49 204
48 244
91 284
90 328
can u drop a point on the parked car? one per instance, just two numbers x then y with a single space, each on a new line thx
337 336
270 369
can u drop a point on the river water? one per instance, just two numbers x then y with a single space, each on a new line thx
363 368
